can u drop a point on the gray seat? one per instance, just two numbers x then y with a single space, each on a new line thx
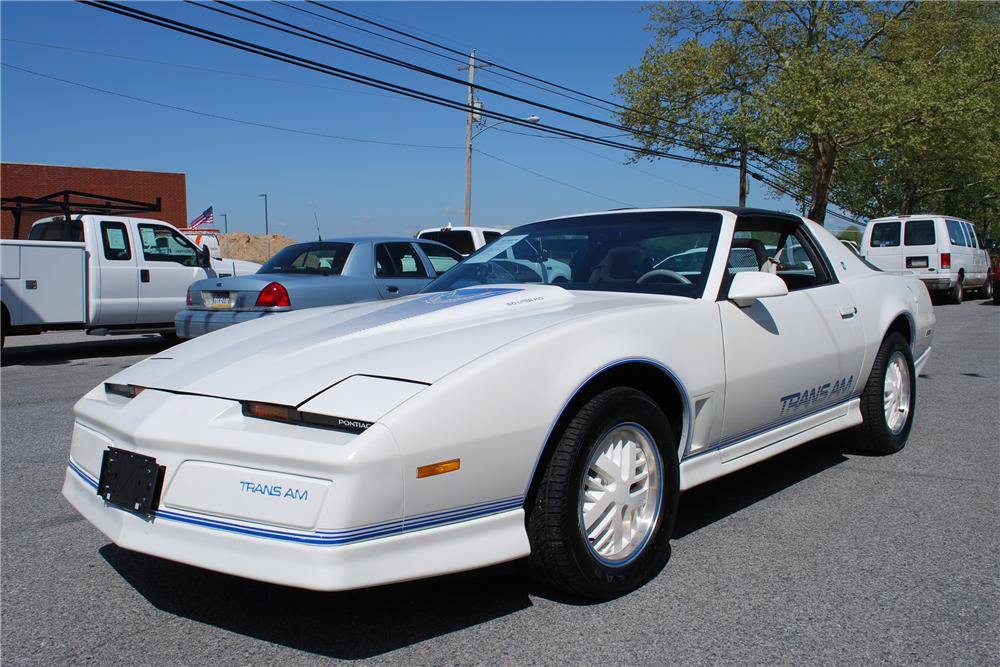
737 259
624 264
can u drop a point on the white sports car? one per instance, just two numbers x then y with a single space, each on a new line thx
488 419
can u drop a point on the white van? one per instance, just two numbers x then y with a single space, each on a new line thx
942 251
463 240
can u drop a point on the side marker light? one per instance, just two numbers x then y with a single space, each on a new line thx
438 468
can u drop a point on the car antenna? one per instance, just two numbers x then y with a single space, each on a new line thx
316 218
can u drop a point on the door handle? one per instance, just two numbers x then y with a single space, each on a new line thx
144 275
848 312
392 289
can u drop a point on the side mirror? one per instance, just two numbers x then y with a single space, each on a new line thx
748 286
204 258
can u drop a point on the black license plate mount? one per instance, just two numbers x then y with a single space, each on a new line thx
131 481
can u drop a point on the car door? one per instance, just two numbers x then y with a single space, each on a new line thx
118 300
399 269
169 264
788 356
884 249
979 263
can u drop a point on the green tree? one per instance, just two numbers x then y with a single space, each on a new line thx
945 64
850 234
796 84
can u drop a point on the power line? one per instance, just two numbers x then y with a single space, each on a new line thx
612 160
311 35
330 70
509 69
549 178
227 118
197 68
304 132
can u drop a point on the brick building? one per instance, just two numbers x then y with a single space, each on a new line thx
39 180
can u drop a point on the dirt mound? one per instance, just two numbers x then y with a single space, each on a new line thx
252 247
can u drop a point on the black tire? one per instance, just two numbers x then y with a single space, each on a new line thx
170 337
956 293
561 555
986 291
996 296
874 435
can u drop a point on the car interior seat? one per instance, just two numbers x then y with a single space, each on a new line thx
623 264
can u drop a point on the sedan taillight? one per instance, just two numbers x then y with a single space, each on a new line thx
273 296
190 300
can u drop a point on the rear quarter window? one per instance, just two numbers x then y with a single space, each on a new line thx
920 232
955 233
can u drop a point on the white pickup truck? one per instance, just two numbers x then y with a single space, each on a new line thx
103 274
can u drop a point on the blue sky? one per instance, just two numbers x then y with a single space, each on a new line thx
353 187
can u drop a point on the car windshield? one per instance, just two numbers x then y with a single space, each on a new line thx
616 252
326 259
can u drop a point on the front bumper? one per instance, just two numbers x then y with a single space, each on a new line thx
313 560
343 527
192 323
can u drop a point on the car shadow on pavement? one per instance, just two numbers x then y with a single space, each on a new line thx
63 353
710 502
350 625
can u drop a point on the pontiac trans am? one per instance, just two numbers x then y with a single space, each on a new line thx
499 416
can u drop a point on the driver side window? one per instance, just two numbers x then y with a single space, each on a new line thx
160 244
778 248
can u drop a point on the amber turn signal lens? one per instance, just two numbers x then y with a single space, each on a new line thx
270 411
438 468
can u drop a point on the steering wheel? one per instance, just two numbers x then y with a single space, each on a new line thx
665 273
494 272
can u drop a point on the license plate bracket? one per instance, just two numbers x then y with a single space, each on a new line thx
131 481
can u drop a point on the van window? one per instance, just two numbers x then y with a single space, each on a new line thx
161 244
114 235
955 233
919 232
885 235
490 237
973 241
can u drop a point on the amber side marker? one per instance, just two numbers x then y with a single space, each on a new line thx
438 468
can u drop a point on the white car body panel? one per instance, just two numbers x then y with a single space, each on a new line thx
479 374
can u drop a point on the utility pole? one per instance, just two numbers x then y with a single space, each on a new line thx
469 120
225 222
744 182
468 139
266 231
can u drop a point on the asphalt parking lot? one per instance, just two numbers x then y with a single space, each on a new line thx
816 556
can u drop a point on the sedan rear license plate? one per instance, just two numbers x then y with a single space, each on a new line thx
223 301
916 262
130 481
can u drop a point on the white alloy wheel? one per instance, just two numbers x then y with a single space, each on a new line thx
896 393
621 496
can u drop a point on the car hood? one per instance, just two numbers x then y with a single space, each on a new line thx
291 357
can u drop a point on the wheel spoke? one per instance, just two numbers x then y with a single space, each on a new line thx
619 499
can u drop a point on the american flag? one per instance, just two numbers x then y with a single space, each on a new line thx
206 218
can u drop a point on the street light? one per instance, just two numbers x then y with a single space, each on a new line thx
468 159
266 232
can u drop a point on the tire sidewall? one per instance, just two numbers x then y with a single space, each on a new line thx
625 406
895 343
